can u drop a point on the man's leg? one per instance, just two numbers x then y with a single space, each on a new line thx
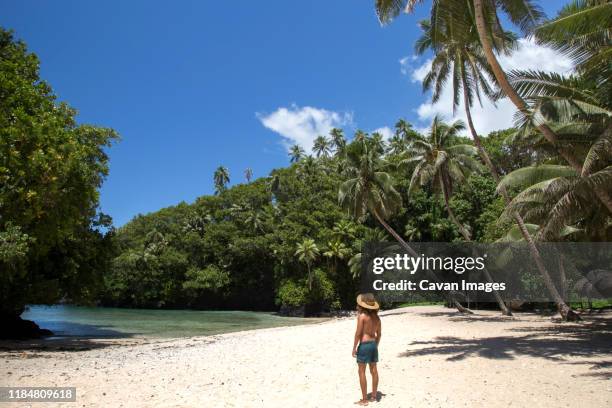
363 382
374 372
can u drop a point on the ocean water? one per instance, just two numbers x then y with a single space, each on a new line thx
107 322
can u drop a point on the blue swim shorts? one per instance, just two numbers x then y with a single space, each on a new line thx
367 352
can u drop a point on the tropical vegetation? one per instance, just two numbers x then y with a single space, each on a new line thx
293 240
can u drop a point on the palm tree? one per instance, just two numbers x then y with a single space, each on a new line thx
307 252
526 15
336 250
581 30
397 144
344 230
248 174
458 56
221 178
360 135
378 142
556 198
321 146
296 153
443 162
369 189
523 13
338 140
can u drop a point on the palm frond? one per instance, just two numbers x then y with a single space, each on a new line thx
528 176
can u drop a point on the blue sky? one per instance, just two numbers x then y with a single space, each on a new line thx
192 85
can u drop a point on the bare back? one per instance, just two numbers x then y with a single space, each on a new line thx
370 327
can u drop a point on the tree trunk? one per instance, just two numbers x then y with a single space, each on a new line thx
451 214
520 104
411 251
562 278
566 312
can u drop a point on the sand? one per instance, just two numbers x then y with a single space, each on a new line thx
429 357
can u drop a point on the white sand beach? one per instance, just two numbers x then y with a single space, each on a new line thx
429 357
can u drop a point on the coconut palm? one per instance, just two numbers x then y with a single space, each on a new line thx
525 15
378 142
443 163
221 178
321 146
397 145
307 252
336 250
458 56
360 135
338 141
344 230
581 30
248 174
555 197
296 153
369 189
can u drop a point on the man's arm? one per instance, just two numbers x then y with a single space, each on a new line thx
378 332
358 333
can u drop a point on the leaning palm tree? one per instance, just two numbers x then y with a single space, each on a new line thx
526 15
369 189
581 31
556 198
296 153
441 161
248 174
523 13
458 56
221 178
321 146
307 252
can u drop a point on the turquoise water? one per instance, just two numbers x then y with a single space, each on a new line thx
106 322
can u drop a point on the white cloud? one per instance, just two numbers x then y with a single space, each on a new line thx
385 131
416 74
489 117
419 73
301 125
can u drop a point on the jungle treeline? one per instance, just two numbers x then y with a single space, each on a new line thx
292 239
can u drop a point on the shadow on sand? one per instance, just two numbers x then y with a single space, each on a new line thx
588 339
82 337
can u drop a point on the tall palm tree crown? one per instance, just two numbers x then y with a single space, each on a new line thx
443 162
296 153
321 147
307 252
248 174
221 178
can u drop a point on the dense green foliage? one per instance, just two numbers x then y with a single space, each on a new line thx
293 240
253 245
51 244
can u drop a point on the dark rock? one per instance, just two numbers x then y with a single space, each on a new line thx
16 328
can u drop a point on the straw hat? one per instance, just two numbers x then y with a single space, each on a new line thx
367 301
